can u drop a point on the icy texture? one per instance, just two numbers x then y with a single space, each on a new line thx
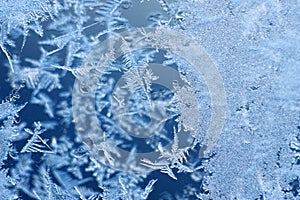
255 45
47 45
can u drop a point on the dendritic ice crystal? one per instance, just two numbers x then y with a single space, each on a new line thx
156 99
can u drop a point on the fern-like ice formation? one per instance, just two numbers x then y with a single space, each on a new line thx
95 105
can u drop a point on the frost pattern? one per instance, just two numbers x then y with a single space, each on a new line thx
251 42
44 45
